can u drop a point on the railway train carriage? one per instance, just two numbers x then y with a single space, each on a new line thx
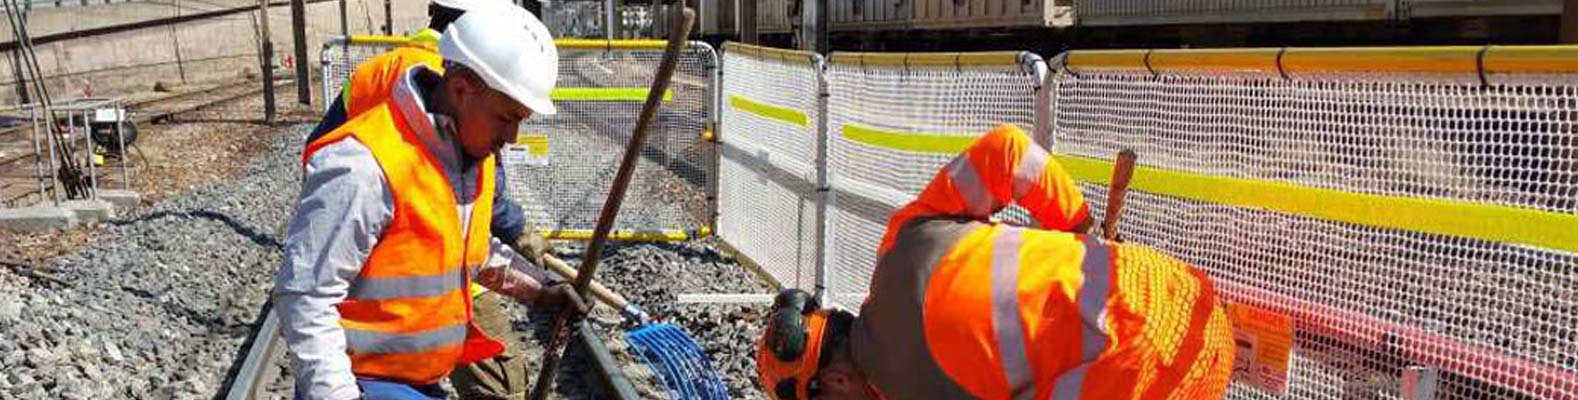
883 24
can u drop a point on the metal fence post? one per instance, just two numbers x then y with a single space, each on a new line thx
823 189
1045 98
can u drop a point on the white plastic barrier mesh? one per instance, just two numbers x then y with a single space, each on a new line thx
768 205
884 111
1401 219
560 168
599 96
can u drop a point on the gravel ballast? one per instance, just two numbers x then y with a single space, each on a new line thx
157 304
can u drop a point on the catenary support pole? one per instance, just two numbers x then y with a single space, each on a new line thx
266 61
298 32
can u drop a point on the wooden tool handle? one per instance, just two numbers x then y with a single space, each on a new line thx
1122 171
598 290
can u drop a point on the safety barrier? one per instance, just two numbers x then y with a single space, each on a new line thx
1409 216
560 166
770 165
1408 207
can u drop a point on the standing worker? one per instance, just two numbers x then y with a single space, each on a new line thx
501 377
960 307
394 216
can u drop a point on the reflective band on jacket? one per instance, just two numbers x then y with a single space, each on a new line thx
978 202
381 288
374 342
1092 301
1013 349
1001 167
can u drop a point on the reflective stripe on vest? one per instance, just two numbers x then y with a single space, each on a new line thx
381 288
1001 167
407 317
1011 344
1092 301
374 342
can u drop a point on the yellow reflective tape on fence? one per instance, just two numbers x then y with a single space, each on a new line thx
1490 222
605 94
1438 216
665 235
907 141
769 111
627 44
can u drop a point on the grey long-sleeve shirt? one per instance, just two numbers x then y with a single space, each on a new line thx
344 205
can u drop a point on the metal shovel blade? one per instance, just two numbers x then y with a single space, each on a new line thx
678 360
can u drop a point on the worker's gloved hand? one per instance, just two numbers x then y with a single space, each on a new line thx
560 295
532 246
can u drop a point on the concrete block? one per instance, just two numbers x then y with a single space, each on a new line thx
37 218
89 210
124 200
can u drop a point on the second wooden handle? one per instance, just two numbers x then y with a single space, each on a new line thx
1122 171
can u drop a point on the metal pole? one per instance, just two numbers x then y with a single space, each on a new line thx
610 19
747 19
38 156
345 28
1569 33
21 81
266 52
298 27
87 136
813 26
54 169
388 18
120 135
824 191
175 38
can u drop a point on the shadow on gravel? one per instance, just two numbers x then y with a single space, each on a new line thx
251 234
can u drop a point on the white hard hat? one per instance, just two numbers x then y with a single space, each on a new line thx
462 5
510 49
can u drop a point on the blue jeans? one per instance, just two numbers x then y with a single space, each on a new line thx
373 389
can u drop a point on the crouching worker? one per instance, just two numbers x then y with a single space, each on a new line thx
393 221
961 308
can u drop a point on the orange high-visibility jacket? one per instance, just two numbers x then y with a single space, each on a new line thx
410 318
963 308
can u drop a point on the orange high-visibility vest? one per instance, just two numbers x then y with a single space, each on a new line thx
408 316
962 308
1002 166
371 81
